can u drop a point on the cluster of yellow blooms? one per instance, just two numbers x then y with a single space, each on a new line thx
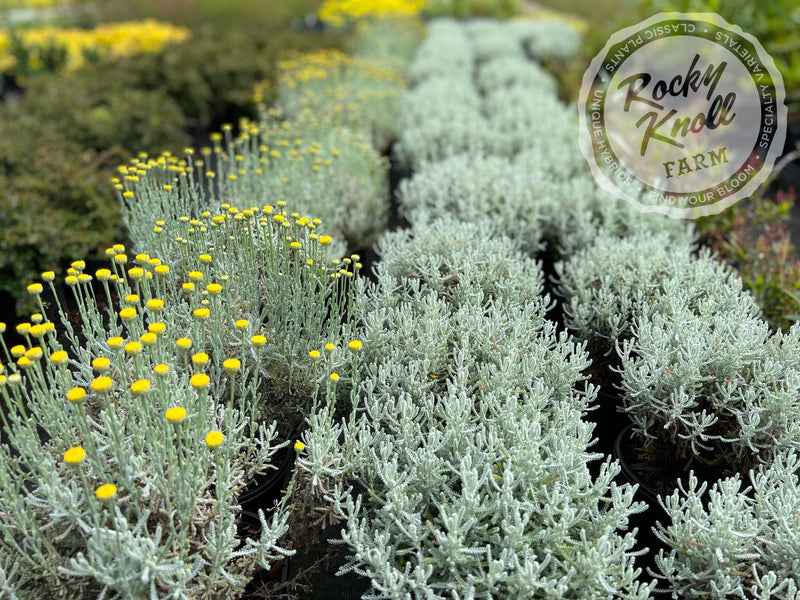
16 4
339 12
330 64
139 351
111 40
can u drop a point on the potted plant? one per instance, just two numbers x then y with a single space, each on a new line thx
132 434
463 464
731 539
707 385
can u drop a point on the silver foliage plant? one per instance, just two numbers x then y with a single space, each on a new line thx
735 541
608 284
495 95
705 381
466 444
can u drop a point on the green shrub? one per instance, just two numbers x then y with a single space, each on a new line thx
56 203
98 111
212 76
772 23
499 9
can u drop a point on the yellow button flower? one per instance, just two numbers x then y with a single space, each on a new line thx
34 353
214 439
38 330
161 369
76 394
106 491
102 384
258 340
35 289
355 345
136 273
127 313
155 304
232 365
140 386
75 455
101 363
157 327
184 343
59 357
176 414
199 381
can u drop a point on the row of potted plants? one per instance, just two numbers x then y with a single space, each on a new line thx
131 435
63 134
704 380
177 376
463 465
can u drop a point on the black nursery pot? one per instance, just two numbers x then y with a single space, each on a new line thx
646 520
318 566
268 489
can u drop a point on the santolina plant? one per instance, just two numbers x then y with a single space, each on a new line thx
127 448
264 268
466 440
359 94
734 540
321 168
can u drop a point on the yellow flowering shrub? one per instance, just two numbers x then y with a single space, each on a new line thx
338 12
75 46
155 420
360 94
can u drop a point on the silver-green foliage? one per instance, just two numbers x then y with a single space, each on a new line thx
706 381
505 71
328 171
468 439
735 542
489 98
608 284
547 40
457 259
171 529
491 39
486 190
445 51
